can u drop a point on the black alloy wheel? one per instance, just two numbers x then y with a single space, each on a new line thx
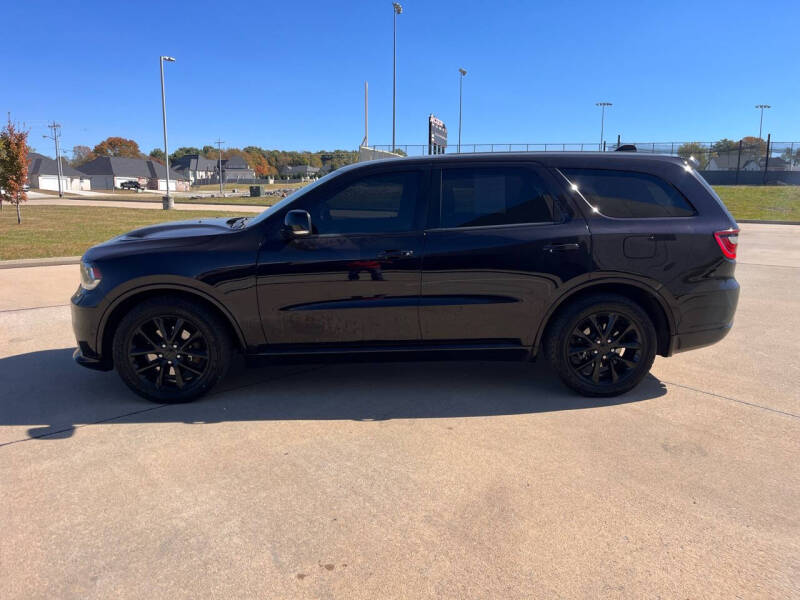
169 352
605 347
170 349
601 345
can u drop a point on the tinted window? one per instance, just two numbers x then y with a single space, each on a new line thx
627 194
473 197
374 204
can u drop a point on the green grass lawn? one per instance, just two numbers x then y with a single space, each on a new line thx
762 202
70 230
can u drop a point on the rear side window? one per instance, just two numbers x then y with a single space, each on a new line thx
627 194
481 196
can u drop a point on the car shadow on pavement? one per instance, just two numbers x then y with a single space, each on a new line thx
46 395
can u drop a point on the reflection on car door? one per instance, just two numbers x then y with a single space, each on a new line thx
496 251
356 277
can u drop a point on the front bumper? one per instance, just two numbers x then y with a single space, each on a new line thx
85 325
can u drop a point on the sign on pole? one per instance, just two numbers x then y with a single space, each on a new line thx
437 135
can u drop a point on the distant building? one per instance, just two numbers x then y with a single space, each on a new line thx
776 163
236 168
299 172
194 167
728 161
110 172
43 175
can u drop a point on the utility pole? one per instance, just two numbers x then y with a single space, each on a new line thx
602 106
398 10
761 121
219 143
461 72
56 129
167 200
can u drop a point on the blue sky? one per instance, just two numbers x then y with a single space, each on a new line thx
290 75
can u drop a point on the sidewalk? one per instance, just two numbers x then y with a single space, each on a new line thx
154 205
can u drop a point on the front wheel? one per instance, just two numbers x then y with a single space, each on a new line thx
171 350
602 345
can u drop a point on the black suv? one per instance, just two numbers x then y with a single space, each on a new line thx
596 261
131 185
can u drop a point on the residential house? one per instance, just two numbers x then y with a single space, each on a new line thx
43 175
728 161
776 163
110 172
299 172
236 168
194 167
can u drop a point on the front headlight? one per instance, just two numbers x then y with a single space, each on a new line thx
90 276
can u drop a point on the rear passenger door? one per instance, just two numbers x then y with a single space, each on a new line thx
499 245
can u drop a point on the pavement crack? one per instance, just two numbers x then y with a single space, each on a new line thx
745 402
5 310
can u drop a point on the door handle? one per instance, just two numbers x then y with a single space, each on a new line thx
383 254
561 247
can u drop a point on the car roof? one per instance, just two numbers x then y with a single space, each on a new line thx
615 160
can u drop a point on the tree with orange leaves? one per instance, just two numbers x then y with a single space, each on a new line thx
13 165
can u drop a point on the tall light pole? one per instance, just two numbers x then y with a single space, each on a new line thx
56 129
461 72
167 200
398 10
602 106
761 121
219 143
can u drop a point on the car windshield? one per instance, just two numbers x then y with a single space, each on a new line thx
296 194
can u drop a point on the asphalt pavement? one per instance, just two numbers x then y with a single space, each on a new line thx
406 479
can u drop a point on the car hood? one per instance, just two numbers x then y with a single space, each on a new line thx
177 229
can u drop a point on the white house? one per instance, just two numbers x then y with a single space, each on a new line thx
43 175
110 172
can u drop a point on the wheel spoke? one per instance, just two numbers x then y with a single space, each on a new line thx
190 339
176 329
160 378
612 319
147 367
627 346
178 376
141 332
596 371
614 376
161 329
625 332
597 330
188 368
628 363
193 354
577 350
584 337
142 352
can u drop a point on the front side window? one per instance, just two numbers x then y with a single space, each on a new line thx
628 194
381 203
485 196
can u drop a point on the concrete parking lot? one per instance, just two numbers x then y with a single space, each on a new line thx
406 479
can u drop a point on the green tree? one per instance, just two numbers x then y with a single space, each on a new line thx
14 165
183 151
157 154
754 145
695 151
724 145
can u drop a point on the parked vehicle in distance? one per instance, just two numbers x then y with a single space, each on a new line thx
595 261
131 185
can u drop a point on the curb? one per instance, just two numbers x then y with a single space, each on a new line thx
39 262
760 222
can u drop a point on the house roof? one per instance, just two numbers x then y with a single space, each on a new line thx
235 162
195 162
44 165
729 160
127 167
299 170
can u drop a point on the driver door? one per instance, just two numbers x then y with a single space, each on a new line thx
356 277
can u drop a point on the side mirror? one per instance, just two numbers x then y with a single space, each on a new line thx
297 223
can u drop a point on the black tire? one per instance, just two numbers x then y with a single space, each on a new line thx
597 362
170 350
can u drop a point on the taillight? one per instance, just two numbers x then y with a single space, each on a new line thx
728 241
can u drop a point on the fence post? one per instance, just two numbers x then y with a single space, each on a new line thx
766 159
604 145
738 162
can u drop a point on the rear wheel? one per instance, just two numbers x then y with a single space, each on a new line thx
602 345
171 350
